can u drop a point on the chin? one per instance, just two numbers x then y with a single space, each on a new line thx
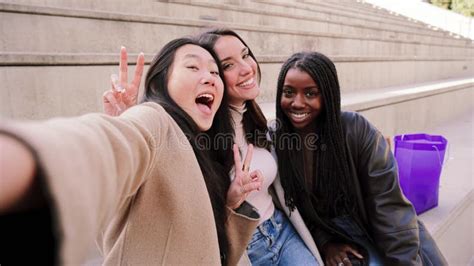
256 93
204 125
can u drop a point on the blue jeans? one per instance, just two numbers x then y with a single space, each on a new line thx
276 242
355 232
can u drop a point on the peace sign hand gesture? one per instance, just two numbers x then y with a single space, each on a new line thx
244 182
123 95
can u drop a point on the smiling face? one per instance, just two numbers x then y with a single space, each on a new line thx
240 70
194 84
301 99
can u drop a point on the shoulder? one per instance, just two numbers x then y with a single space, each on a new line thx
351 119
358 130
146 108
148 114
355 122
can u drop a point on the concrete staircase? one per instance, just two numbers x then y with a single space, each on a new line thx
56 57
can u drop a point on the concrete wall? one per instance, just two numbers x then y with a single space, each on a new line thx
68 49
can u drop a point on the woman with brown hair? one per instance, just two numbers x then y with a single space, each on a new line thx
279 239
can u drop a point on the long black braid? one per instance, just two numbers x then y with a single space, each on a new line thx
332 192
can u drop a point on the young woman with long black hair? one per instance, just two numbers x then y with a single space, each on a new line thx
344 180
140 183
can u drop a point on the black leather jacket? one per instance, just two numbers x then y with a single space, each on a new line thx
386 216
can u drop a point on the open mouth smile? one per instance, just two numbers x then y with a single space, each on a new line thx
248 83
300 116
204 102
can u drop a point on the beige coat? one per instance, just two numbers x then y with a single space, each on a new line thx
132 183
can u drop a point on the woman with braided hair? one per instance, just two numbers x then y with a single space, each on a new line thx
343 179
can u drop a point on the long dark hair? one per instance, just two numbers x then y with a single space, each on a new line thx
332 186
212 157
254 122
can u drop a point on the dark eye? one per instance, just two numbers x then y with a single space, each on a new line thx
312 94
246 55
193 67
227 66
216 73
287 92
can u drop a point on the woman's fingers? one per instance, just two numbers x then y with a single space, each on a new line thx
257 176
252 186
354 252
138 71
255 182
237 162
346 261
123 96
123 67
116 86
248 159
340 260
109 99
338 254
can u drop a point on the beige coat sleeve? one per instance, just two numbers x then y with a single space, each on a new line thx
240 226
92 165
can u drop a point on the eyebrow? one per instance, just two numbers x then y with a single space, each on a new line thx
245 49
193 56
306 88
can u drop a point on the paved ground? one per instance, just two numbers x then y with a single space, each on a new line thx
452 222
457 180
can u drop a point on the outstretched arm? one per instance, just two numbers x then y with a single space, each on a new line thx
91 166
17 166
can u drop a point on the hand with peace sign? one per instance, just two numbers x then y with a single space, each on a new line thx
123 95
244 182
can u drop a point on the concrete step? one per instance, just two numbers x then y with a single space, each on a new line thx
250 12
401 109
368 73
352 7
106 30
387 16
335 15
337 12
360 8
452 221
88 75
317 21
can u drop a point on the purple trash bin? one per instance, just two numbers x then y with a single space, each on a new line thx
420 159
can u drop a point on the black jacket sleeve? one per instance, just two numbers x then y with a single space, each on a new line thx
391 219
321 237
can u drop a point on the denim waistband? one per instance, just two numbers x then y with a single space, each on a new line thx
270 228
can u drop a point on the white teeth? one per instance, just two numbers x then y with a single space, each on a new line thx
210 97
248 82
299 115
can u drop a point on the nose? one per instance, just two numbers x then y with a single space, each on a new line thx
298 101
209 79
245 68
